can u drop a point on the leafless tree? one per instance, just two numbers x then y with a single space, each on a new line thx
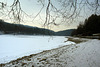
66 10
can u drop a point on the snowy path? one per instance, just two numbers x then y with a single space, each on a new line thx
86 54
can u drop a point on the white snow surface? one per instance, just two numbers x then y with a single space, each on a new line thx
86 54
15 46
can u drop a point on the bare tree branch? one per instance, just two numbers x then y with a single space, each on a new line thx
67 10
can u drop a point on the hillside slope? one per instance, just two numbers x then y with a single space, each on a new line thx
64 32
9 28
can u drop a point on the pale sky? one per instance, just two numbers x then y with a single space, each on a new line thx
32 7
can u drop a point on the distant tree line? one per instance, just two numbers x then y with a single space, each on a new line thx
90 26
9 28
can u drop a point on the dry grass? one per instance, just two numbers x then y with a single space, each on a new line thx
22 58
44 59
90 37
2 65
24 64
76 40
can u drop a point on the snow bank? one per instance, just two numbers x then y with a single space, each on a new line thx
86 54
13 47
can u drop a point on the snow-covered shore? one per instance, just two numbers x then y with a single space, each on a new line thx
13 47
85 54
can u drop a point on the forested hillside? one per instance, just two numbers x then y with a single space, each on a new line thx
64 32
9 28
90 26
